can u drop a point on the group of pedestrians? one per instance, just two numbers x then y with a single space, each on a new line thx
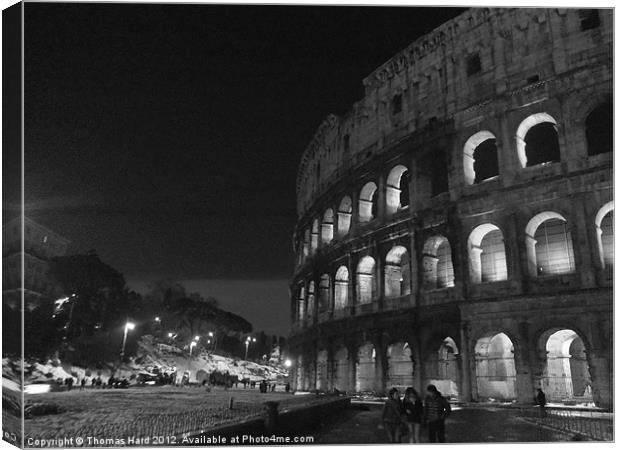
409 414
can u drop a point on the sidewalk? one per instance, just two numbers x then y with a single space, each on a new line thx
359 425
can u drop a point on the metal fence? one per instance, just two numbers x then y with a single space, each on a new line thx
578 423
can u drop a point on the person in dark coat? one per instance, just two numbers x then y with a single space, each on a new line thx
414 410
541 401
393 416
436 409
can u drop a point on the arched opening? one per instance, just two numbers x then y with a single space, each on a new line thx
368 202
567 376
344 216
365 368
314 236
442 368
324 293
604 222
366 280
537 140
327 226
311 300
549 245
400 365
600 129
341 369
306 244
487 254
322 374
397 272
341 289
437 263
301 304
495 368
480 158
397 191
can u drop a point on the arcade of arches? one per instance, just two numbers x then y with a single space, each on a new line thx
497 365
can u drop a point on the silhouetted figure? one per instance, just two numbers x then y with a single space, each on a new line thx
392 416
436 409
82 384
541 401
287 388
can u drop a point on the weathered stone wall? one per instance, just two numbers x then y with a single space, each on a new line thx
536 67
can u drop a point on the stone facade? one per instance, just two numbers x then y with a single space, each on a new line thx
454 226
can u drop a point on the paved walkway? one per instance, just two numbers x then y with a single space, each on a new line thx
359 425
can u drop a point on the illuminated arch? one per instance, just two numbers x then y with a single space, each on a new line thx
397 191
367 202
604 222
549 245
487 254
327 226
482 140
523 138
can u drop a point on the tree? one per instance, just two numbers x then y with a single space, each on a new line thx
96 293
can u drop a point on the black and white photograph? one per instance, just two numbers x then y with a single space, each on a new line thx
229 224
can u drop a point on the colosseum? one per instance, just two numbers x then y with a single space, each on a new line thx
455 226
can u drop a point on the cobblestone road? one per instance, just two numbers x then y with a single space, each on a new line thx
359 425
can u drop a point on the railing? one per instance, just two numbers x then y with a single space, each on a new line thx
593 425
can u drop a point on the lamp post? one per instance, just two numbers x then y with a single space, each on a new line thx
247 345
128 326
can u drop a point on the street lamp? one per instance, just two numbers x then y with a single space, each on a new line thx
157 319
247 344
128 326
191 347
288 363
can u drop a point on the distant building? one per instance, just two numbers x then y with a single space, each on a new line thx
40 245
456 225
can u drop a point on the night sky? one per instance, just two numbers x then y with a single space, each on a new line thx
167 137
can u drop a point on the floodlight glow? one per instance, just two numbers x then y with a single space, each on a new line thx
210 333
196 338
288 363
157 319
130 326
193 344
37 388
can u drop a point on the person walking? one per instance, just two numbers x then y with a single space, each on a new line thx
436 409
414 410
541 401
393 416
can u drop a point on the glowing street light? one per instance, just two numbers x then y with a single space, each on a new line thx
288 363
247 345
157 319
196 338
191 347
128 326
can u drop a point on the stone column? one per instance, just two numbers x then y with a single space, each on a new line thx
379 342
524 387
465 391
582 246
418 363
355 210
352 351
413 264
352 292
513 254
600 362
381 197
